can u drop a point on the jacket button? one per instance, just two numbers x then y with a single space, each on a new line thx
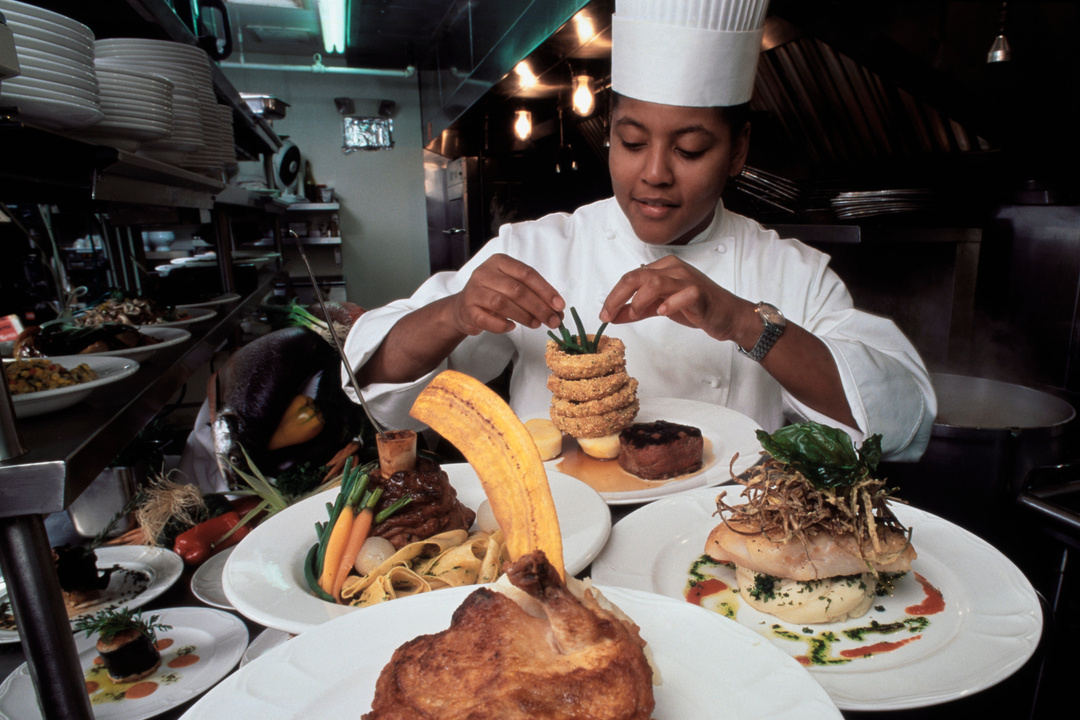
721 248
610 235
713 382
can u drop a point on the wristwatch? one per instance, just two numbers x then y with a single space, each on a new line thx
775 322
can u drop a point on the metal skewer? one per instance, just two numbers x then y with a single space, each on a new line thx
337 340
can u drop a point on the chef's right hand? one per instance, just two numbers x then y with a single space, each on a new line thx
503 292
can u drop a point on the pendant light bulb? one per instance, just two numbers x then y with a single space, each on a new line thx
1000 50
523 124
583 99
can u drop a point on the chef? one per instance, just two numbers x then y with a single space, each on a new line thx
711 306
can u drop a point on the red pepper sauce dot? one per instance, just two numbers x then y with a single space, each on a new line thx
932 604
140 690
183 661
701 590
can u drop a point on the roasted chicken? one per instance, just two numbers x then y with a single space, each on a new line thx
556 657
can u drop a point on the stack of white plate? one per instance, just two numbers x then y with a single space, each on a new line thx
138 107
220 150
58 87
188 68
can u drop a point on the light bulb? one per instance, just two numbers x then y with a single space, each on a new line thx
583 100
522 124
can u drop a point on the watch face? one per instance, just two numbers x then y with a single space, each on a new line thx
771 314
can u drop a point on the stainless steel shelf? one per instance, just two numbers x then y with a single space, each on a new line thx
67 450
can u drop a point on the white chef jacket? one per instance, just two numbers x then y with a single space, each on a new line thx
583 255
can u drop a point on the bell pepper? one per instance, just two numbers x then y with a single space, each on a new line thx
198 543
301 422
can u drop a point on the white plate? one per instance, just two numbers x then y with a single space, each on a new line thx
264 578
264 642
206 582
145 571
47 16
75 55
756 681
217 638
990 626
35 62
109 370
212 302
726 430
168 337
23 25
194 315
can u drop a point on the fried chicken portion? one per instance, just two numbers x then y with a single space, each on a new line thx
561 658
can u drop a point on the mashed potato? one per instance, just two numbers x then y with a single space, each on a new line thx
808 602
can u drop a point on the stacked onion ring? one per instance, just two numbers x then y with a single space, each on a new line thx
593 398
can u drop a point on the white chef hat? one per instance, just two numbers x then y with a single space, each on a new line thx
697 53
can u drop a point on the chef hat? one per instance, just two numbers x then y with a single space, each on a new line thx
697 53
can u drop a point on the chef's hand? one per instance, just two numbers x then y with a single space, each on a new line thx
669 287
502 292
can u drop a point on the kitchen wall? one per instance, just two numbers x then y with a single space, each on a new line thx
383 219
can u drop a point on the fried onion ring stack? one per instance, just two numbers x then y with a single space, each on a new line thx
592 396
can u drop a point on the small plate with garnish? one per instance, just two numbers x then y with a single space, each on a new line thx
140 573
200 647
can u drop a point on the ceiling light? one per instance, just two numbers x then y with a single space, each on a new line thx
1000 50
583 24
582 98
526 76
523 124
332 16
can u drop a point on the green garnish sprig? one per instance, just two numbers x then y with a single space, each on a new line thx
111 622
581 344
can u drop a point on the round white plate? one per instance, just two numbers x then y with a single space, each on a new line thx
32 56
109 370
144 573
727 431
194 315
264 578
53 49
82 40
216 638
206 582
212 302
756 681
264 642
47 16
35 62
167 337
990 626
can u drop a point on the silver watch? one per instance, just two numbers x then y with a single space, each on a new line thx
775 322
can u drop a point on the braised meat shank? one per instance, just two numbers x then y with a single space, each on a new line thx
434 507
567 658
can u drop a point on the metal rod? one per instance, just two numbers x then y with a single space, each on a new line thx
38 607
337 340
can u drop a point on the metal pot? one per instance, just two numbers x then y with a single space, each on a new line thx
988 434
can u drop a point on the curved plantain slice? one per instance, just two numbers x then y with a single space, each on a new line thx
502 452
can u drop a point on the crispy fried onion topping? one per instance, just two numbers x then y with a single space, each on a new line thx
784 506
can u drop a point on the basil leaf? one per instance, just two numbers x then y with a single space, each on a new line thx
826 456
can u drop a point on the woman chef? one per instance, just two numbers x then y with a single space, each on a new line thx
711 306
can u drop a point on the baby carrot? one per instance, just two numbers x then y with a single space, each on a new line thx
339 536
358 534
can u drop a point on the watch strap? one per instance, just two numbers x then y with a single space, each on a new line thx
769 335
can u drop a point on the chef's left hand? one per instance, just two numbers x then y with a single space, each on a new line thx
669 287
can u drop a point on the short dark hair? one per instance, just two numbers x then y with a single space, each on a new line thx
736 117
